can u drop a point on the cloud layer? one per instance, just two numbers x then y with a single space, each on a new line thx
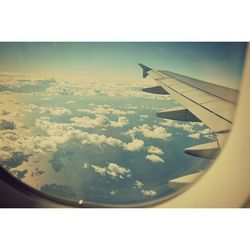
62 131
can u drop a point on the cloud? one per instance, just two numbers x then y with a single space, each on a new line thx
85 87
129 106
11 158
207 132
192 128
44 144
30 107
62 89
112 192
135 145
154 132
53 128
58 111
148 192
60 133
154 158
7 124
138 184
210 136
98 121
104 110
4 155
70 102
86 165
4 112
113 170
195 135
143 189
24 84
100 140
87 122
122 121
99 170
155 150
187 126
14 147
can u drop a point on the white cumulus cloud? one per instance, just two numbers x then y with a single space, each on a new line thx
138 184
195 135
58 111
148 192
154 132
187 126
113 170
98 121
155 150
87 122
122 121
59 133
104 110
154 158
135 145
70 102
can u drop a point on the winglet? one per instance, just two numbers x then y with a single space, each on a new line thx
145 70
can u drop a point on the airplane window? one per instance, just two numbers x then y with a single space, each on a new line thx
85 122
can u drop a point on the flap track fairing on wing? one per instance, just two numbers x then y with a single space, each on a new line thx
208 150
178 114
156 90
185 180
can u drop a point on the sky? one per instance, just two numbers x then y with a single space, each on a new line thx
220 63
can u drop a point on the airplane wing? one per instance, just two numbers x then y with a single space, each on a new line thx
201 101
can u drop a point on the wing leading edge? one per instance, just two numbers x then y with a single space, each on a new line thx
212 104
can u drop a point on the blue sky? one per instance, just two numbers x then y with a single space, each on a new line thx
216 62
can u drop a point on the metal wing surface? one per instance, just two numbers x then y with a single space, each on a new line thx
212 104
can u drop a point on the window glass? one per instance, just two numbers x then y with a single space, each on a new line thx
75 123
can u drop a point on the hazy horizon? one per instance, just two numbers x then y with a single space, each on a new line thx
220 63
